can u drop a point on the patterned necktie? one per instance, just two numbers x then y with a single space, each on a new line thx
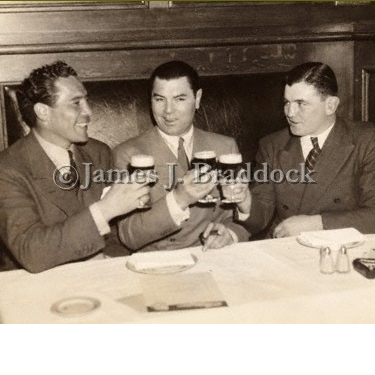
313 154
182 158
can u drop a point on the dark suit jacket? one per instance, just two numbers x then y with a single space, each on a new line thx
42 225
344 192
154 229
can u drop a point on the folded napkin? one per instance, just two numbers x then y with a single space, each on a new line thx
349 237
161 259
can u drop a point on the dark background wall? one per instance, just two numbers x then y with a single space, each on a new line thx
241 50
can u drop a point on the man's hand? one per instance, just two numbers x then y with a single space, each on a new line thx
122 198
242 192
215 236
189 191
294 225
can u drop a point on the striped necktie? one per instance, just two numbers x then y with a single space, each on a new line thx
182 158
313 154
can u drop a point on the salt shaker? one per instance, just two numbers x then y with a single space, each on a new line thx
326 261
342 261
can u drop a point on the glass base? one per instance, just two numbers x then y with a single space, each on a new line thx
208 199
231 200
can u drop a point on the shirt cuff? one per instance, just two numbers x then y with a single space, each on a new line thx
100 221
233 235
178 215
241 216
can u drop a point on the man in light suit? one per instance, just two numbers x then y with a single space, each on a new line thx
341 166
47 217
176 220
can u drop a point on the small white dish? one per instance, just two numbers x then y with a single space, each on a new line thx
348 245
332 238
75 306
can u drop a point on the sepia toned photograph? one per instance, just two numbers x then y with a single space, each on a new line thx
177 162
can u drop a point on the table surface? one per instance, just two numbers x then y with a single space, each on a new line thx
270 281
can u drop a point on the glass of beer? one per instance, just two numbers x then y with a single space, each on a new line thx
143 168
204 162
230 166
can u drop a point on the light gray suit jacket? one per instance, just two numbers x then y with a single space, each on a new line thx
344 192
155 229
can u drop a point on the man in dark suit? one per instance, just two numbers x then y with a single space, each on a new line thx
176 219
335 158
50 214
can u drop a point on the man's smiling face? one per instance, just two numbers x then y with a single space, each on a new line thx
69 117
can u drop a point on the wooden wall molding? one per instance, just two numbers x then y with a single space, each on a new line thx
119 41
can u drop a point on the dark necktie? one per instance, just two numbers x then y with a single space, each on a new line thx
182 158
73 171
313 154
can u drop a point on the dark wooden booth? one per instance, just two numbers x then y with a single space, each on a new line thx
241 50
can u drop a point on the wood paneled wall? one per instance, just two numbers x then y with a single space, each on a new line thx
123 40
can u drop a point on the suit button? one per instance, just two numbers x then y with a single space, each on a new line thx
337 200
285 207
172 240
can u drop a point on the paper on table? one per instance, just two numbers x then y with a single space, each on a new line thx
181 291
161 259
349 237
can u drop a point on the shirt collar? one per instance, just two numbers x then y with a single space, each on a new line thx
172 141
306 139
58 155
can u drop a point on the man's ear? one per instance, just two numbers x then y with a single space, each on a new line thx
332 102
198 97
42 111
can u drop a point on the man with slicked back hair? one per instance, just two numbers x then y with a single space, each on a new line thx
176 219
49 215
337 186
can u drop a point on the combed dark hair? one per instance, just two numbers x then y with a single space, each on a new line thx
317 74
39 87
177 69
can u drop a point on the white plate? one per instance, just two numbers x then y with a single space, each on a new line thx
161 270
75 306
330 244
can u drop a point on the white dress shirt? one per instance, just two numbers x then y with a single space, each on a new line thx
306 143
172 142
178 215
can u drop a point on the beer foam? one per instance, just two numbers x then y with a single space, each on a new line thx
205 155
142 161
230 158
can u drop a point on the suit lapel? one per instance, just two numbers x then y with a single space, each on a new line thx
290 158
335 152
42 170
199 141
164 158
94 191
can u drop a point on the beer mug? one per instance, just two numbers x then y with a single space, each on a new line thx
230 166
143 168
204 162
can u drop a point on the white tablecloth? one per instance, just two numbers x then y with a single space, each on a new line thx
272 281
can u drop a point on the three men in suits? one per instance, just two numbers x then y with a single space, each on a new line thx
341 164
46 218
176 219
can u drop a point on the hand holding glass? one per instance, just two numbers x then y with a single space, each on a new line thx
143 167
230 166
204 162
